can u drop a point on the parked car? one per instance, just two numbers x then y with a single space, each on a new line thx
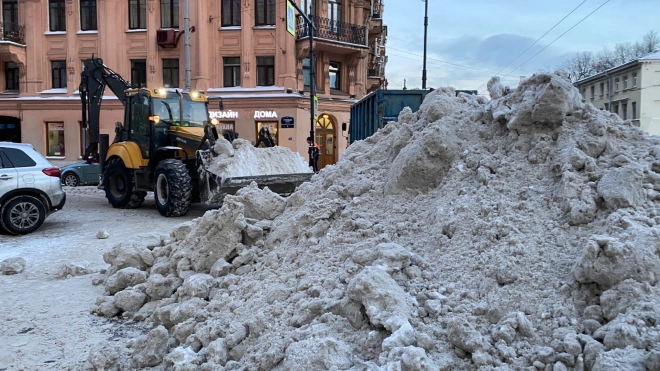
30 188
85 172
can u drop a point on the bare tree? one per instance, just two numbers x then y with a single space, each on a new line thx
585 64
651 41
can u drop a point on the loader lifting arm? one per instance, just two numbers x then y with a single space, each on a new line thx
94 79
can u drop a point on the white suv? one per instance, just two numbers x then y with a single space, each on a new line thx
30 188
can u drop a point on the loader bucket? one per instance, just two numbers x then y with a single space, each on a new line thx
213 188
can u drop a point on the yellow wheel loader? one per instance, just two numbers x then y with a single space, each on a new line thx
164 145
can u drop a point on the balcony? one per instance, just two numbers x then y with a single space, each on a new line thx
327 29
12 32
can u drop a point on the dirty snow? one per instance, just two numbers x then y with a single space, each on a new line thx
240 158
517 233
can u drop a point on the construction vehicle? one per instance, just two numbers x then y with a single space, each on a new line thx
164 145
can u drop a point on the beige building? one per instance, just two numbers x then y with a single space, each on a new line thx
241 56
631 90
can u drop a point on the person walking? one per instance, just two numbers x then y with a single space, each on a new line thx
314 152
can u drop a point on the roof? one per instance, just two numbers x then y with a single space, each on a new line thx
650 56
653 56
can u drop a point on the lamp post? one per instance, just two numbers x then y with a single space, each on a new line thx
312 76
426 24
186 45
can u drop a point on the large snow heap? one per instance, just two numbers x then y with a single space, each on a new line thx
517 233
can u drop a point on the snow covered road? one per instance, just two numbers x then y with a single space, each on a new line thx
46 323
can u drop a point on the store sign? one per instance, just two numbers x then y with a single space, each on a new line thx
223 114
265 115
287 122
226 126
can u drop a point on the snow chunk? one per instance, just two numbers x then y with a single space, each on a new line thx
384 300
12 266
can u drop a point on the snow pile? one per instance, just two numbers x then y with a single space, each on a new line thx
518 233
240 158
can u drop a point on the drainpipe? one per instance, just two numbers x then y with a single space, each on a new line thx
186 46
609 91
366 35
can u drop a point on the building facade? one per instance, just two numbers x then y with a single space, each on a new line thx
254 72
631 90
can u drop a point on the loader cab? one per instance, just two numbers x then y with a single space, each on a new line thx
151 115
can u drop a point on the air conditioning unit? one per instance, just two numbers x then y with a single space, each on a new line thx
166 38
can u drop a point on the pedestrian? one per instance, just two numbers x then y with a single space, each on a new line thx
265 138
314 152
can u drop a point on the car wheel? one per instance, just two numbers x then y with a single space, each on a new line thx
172 188
71 180
118 184
23 215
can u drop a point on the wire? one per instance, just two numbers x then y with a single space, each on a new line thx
539 52
542 36
439 60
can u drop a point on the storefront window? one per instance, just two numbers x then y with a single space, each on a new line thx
272 127
226 126
55 138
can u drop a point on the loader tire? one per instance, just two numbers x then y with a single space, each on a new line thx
172 188
119 184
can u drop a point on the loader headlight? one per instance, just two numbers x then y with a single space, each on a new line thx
195 94
155 119
215 121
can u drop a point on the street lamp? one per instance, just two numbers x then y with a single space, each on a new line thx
426 24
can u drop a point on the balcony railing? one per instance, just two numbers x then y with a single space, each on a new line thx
373 73
334 30
13 32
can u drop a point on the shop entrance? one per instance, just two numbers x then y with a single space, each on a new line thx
10 129
325 138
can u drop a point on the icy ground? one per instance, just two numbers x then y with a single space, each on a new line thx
46 321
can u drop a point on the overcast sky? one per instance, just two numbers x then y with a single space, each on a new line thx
471 40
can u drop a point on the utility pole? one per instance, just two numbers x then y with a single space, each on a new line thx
426 25
312 78
186 45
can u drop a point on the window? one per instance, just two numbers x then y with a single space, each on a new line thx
231 71
171 73
88 15
634 78
265 13
55 138
272 128
616 109
139 73
309 7
334 13
137 14
10 13
169 13
11 76
616 85
602 88
335 75
584 93
624 107
58 69
634 110
57 15
625 82
607 107
265 71
593 89
231 13
18 158
306 72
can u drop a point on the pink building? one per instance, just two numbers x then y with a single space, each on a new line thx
241 56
